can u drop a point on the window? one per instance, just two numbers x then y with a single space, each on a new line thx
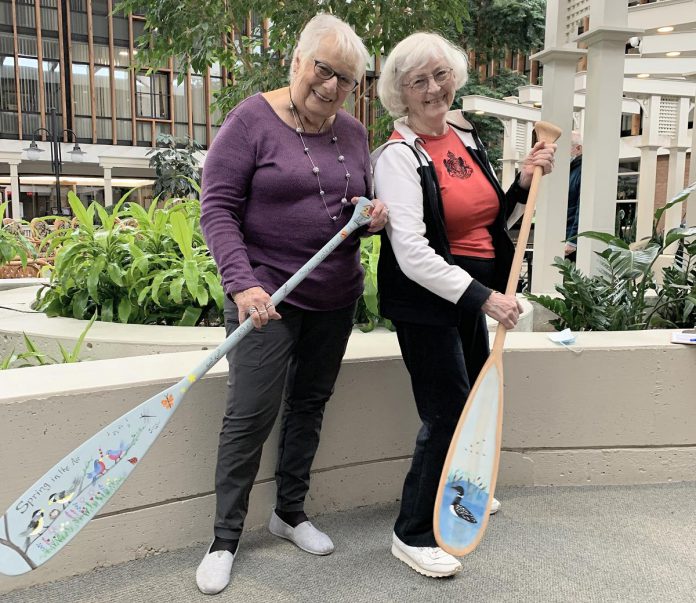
152 95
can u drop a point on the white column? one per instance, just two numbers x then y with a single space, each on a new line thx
647 179
600 157
552 201
108 192
509 152
691 202
677 167
14 187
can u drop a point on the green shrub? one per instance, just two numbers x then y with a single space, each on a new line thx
144 267
624 295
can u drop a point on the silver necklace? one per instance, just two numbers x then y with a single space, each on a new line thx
315 168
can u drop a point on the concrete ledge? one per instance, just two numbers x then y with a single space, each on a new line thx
620 412
115 340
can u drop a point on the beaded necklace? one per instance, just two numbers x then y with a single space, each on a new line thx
315 168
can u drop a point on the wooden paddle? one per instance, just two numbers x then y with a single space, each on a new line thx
469 475
57 506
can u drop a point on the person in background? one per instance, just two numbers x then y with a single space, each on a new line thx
571 245
445 256
277 185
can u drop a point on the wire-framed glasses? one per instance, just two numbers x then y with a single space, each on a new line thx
440 77
325 72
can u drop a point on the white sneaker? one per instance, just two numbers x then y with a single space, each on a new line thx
213 573
305 536
427 560
495 506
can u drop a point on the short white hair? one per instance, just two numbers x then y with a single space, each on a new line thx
346 42
414 52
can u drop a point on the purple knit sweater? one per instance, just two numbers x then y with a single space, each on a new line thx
261 212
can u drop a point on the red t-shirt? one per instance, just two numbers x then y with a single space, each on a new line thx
469 200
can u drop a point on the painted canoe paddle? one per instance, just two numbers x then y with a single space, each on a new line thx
58 505
470 471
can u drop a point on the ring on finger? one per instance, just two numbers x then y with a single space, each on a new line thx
252 310
268 305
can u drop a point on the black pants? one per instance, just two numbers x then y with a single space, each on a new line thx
300 354
443 362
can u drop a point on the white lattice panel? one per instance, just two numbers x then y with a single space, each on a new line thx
667 120
575 11
521 142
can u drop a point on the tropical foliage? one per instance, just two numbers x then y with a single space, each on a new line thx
625 294
176 167
33 356
138 266
14 245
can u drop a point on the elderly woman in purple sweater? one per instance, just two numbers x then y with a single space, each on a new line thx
277 185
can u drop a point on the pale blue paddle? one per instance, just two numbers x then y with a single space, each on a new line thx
58 505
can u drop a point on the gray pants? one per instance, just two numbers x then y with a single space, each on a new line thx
300 354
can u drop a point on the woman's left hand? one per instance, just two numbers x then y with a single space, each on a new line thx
379 215
543 155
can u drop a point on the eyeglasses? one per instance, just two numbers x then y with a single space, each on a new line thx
345 83
440 77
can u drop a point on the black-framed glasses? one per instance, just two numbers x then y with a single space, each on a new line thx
440 77
325 72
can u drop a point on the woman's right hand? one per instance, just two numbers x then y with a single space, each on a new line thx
503 308
255 302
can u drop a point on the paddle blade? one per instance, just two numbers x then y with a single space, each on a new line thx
468 479
56 507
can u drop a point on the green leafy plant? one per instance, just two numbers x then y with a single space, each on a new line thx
176 166
33 356
625 295
367 314
14 245
144 267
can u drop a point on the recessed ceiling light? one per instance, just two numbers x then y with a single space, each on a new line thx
643 75
479 112
666 29
674 53
537 104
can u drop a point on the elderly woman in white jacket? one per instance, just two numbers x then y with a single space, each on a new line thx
445 255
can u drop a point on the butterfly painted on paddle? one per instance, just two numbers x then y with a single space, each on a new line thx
457 166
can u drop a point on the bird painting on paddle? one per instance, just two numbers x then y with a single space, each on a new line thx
458 509
65 496
35 526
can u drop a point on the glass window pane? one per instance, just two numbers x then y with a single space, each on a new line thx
100 27
5 13
163 129
123 95
121 57
6 42
101 54
27 46
199 134
51 75
25 14
30 122
216 116
198 100
143 96
80 52
102 91
9 125
180 106
29 84
49 18
82 101
161 91
120 31
104 130
181 130
83 128
144 133
124 131
50 49
8 88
